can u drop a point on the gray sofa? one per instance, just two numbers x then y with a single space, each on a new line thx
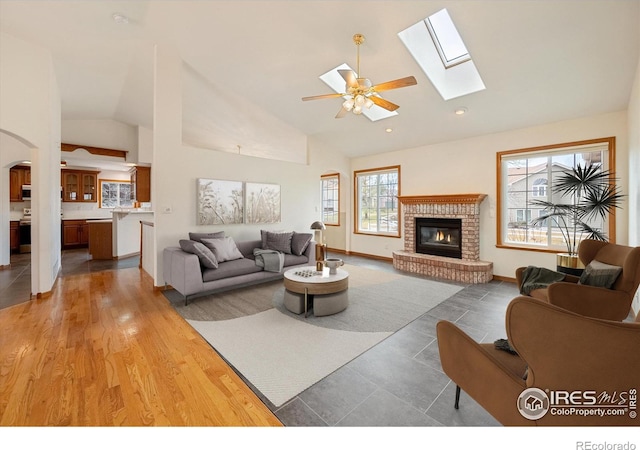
184 272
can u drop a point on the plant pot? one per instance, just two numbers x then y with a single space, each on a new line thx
569 264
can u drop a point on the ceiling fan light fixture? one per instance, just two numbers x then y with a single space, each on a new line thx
360 100
368 103
357 109
348 104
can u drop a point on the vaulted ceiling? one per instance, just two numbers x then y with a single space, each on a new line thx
541 61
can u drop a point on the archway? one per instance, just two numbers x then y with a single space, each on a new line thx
14 151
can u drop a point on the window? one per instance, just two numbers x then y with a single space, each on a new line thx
330 187
114 193
525 177
539 188
446 38
377 192
438 48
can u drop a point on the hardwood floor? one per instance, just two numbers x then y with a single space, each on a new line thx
106 350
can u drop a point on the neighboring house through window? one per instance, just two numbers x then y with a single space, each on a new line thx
376 192
330 189
527 175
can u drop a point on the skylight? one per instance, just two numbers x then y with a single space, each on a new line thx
447 39
337 83
438 49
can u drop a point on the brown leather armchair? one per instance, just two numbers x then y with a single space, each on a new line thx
592 301
558 351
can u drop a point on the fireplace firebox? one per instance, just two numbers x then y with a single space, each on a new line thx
439 236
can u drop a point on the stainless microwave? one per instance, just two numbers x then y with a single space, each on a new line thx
26 192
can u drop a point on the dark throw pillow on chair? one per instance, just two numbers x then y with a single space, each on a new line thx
600 274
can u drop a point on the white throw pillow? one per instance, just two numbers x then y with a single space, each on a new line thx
224 249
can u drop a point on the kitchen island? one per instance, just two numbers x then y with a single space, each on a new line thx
126 231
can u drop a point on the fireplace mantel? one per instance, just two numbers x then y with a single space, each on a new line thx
448 198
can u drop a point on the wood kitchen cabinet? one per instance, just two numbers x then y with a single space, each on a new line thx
18 175
79 186
75 234
100 239
141 184
14 236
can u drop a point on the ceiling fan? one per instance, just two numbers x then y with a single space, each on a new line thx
359 92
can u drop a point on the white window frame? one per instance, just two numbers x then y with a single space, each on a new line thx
387 223
330 199
128 203
530 238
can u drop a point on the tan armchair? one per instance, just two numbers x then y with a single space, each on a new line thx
558 350
591 301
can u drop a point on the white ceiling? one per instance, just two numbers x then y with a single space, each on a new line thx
541 61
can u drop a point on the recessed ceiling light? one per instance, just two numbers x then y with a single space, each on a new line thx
389 130
461 111
120 19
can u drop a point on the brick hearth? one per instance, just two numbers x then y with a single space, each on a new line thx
466 207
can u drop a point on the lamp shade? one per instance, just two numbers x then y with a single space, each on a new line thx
317 225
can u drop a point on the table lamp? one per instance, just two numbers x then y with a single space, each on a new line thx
321 248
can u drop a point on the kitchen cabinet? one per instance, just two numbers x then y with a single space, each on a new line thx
141 184
14 236
100 239
18 175
75 234
79 186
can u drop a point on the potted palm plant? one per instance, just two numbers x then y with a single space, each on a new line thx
585 193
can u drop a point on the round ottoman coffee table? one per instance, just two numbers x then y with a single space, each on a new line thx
307 288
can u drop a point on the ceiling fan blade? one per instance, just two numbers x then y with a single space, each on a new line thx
350 77
395 84
386 104
318 97
343 112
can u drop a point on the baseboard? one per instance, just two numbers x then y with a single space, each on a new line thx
507 279
126 256
362 255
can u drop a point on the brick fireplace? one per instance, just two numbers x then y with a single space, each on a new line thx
466 208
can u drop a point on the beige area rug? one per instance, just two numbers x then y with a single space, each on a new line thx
280 353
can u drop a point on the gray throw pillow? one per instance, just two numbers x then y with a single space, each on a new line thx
277 241
224 249
198 237
300 242
206 257
600 274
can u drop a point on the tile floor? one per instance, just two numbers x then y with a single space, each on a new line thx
400 381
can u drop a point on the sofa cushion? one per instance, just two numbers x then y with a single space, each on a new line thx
300 242
198 237
206 256
230 269
276 241
224 249
294 260
600 274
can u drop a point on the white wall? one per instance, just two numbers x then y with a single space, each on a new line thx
634 171
104 133
176 167
469 166
30 110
